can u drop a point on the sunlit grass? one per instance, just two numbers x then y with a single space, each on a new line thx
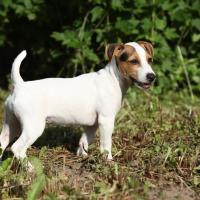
156 154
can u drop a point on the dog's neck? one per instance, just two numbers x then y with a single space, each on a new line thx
123 82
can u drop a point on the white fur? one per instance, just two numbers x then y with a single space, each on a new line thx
91 100
15 75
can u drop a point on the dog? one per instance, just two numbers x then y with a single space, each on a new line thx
91 99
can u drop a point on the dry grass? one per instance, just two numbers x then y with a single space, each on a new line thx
156 156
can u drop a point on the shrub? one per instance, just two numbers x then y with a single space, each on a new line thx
69 38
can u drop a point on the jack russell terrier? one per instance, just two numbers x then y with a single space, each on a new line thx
91 100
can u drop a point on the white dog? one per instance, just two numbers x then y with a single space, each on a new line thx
91 100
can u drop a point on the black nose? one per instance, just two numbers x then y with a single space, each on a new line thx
151 77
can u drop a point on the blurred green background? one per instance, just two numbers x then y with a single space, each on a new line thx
67 38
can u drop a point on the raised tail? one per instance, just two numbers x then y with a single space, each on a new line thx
15 74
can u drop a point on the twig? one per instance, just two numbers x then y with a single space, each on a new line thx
184 183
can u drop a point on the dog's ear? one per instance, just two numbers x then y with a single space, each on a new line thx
148 47
113 50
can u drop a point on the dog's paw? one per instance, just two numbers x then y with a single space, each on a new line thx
107 154
109 158
30 168
27 166
81 152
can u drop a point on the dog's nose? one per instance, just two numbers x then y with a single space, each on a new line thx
151 77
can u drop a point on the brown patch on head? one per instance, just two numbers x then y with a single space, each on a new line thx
148 47
113 50
128 62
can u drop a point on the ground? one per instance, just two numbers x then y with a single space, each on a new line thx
156 150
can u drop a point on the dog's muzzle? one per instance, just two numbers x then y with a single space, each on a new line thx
142 85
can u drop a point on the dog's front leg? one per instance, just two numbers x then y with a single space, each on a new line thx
86 139
106 126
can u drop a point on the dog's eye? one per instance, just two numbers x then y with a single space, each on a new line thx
134 62
150 60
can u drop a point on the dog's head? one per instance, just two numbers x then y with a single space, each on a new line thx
134 61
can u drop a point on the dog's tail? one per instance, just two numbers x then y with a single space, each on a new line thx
15 74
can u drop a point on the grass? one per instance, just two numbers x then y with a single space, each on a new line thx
156 149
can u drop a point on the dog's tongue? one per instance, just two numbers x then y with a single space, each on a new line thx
146 86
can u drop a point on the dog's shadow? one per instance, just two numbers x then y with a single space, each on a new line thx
55 136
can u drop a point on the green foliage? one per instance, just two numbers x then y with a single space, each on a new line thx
72 36
5 166
67 38
97 13
39 182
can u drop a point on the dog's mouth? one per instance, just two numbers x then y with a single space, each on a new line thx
141 85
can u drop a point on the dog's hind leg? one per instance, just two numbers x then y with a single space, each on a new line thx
86 139
11 129
32 128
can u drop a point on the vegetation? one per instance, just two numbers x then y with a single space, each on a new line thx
66 39
156 156
157 134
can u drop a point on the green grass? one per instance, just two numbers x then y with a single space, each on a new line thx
156 149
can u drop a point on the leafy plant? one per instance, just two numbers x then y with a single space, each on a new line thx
39 182
72 41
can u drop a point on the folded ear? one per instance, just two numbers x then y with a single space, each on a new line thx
113 50
148 47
